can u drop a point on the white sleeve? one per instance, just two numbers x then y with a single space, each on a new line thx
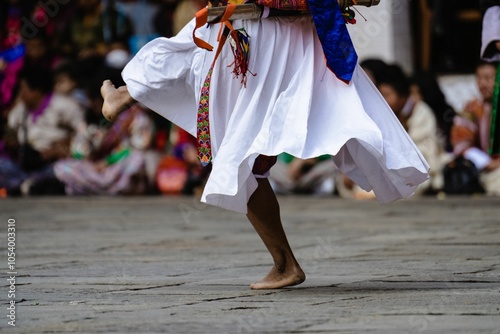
15 117
479 158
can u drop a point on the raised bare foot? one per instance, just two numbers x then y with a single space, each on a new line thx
116 100
280 278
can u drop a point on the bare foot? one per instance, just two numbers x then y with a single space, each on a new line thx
116 100
280 278
359 193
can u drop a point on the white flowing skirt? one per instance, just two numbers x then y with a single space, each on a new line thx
293 104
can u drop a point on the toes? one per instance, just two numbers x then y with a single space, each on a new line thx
268 285
107 85
258 286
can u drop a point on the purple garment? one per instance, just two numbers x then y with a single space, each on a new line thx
36 113
82 177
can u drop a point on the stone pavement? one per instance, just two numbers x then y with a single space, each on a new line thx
157 264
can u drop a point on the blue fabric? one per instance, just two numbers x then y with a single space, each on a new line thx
337 45
11 174
13 53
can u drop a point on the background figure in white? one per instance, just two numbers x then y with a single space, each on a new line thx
303 176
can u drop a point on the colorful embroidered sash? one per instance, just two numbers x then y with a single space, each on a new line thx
203 139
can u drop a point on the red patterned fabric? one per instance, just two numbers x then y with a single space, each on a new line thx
278 4
203 125
284 4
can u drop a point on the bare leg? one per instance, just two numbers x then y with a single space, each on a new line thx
264 214
116 100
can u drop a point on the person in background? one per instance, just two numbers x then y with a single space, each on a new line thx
419 121
40 128
470 135
374 68
303 176
490 52
476 135
111 162
68 82
426 88
108 158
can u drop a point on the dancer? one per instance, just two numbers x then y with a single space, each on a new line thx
290 101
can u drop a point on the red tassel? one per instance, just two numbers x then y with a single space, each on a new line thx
240 46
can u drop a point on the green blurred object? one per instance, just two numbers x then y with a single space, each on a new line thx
495 119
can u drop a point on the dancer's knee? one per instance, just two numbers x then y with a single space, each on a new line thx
262 166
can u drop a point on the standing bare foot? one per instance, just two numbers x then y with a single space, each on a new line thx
277 278
264 214
116 100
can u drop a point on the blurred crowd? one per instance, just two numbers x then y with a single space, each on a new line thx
54 56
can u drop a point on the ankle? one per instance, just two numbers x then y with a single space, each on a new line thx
285 262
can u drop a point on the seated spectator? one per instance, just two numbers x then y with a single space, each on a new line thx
419 121
374 68
109 158
40 128
68 82
426 88
112 162
470 135
299 176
